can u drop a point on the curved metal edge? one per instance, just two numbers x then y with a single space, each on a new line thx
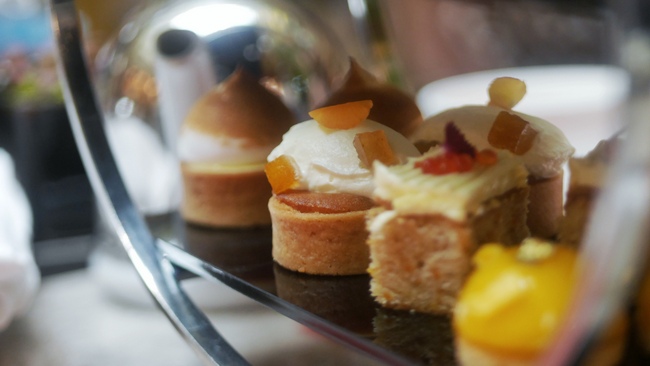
158 274
195 265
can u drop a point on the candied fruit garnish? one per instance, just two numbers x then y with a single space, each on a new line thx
486 157
373 146
282 174
342 116
310 202
446 163
455 141
512 133
506 92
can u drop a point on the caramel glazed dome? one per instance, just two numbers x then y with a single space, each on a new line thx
392 107
223 145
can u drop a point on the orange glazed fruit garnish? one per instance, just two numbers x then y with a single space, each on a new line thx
282 174
512 133
342 116
373 146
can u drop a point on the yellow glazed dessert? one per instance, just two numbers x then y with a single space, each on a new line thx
515 301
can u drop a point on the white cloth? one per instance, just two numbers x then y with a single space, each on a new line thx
19 276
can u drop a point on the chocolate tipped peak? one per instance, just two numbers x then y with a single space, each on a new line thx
240 107
391 106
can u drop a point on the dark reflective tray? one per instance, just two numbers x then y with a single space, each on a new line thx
341 303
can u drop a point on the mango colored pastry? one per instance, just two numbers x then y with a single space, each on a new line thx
514 303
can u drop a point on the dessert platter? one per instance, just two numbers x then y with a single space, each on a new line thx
436 240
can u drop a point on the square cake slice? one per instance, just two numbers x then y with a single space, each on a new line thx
429 225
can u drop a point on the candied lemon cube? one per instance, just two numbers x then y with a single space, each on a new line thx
373 146
512 133
506 92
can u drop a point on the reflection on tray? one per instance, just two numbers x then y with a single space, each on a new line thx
343 300
243 253
423 337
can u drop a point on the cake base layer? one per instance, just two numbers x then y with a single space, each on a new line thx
545 207
419 262
225 200
319 243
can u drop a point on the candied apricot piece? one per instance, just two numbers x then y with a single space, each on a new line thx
342 116
282 174
373 146
506 92
512 133
327 203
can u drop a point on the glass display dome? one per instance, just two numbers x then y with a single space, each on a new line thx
176 50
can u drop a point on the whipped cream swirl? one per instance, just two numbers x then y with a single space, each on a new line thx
328 161
545 159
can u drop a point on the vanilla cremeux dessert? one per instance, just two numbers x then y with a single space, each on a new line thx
323 182
222 148
436 210
542 147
